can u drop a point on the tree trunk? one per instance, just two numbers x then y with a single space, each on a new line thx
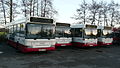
37 8
3 10
31 7
106 22
84 12
24 4
41 8
104 19
99 16
25 8
84 16
93 19
44 11
112 19
11 14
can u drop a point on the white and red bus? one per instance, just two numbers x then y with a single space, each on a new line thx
63 34
104 35
116 35
84 35
32 34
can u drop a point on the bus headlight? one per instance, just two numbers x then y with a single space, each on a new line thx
86 39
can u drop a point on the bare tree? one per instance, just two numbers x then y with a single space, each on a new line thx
100 12
81 13
105 14
4 12
47 9
28 7
24 4
113 7
93 8
11 9
43 8
117 17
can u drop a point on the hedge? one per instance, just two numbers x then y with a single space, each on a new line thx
2 36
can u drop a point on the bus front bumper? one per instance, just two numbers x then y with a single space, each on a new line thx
26 49
104 44
84 44
63 44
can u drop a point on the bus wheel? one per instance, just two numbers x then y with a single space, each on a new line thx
17 47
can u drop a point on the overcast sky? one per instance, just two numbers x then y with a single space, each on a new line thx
67 8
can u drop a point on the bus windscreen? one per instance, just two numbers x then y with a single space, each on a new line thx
38 31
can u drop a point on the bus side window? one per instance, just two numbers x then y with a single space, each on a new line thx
72 32
78 32
12 34
22 28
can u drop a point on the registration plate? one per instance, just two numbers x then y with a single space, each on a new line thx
91 45
108 44
42 49
63 45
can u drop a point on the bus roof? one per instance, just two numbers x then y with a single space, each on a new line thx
100 27
77 26
16 22
83 26
26 20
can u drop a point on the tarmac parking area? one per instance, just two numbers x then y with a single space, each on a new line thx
62 57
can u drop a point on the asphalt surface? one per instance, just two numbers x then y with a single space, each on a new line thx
62 57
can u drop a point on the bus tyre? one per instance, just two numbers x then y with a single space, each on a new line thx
17 47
